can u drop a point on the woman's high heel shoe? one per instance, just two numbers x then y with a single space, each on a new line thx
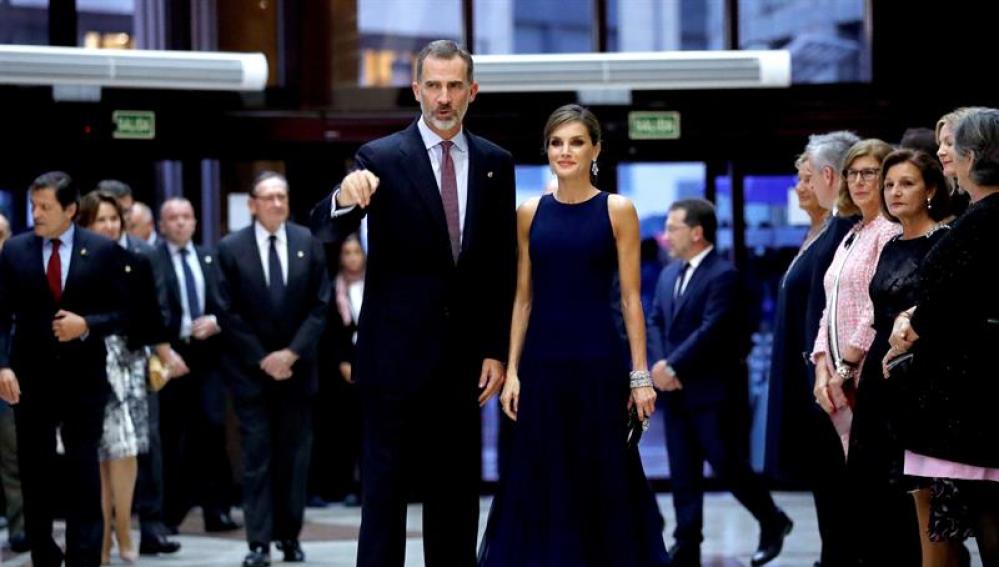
129 556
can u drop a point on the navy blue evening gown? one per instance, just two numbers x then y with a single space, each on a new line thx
571 493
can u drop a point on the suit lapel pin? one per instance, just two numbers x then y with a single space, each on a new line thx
208 259
128 269
301 254
83 251
489 174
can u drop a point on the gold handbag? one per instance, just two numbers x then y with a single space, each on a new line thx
158 373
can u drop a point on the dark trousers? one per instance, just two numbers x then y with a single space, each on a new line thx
711 434
830 491
10 473
277 439
430 437
196 467
80 419
149 484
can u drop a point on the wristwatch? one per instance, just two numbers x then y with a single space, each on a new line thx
846 369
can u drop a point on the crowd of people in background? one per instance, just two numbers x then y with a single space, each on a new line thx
117 371
122 349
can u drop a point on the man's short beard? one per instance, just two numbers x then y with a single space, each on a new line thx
449 124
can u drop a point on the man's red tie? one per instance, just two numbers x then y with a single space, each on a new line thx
54 271
449 196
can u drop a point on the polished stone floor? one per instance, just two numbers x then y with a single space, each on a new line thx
330 537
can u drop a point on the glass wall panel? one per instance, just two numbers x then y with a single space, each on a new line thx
24 22
105 23
653 187
826 38
665 25
775 228
533 26
392 32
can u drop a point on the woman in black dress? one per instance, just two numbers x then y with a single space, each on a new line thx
949 426
915 194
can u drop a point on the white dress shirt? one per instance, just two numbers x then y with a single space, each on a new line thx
199 283
264 248
459 155
692 267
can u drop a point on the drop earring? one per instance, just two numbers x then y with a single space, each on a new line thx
929 203
594 169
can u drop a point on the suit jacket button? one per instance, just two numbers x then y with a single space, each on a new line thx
447 313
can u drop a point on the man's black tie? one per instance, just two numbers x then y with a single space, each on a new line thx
276 285
193 306
678 290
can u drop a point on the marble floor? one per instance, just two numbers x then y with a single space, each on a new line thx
330 537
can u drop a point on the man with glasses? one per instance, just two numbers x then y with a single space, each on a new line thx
698 342
277 299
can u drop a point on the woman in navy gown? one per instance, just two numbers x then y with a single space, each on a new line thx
572 492
790 406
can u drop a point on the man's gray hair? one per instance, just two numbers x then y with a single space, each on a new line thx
830 149
443 49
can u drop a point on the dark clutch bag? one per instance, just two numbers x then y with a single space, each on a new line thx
635 428
899 366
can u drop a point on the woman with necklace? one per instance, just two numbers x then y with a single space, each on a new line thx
914 194
789 395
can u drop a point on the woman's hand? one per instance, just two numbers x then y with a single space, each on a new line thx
821 390
346 372
902 336
644 400
510 398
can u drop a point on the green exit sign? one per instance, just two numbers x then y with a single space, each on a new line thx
654 125
134 124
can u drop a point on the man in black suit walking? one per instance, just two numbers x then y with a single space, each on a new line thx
192 407
698 342
277 298
60 288
435 320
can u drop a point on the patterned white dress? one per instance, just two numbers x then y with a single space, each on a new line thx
126 418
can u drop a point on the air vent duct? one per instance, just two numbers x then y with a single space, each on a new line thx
140 69
635 71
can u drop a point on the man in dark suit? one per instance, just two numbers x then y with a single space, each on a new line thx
698 341
59 286
435 320
192 408
277 294
146 327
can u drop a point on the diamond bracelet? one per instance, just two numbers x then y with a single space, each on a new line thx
640 379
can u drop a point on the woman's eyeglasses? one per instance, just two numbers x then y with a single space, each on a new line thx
867 174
